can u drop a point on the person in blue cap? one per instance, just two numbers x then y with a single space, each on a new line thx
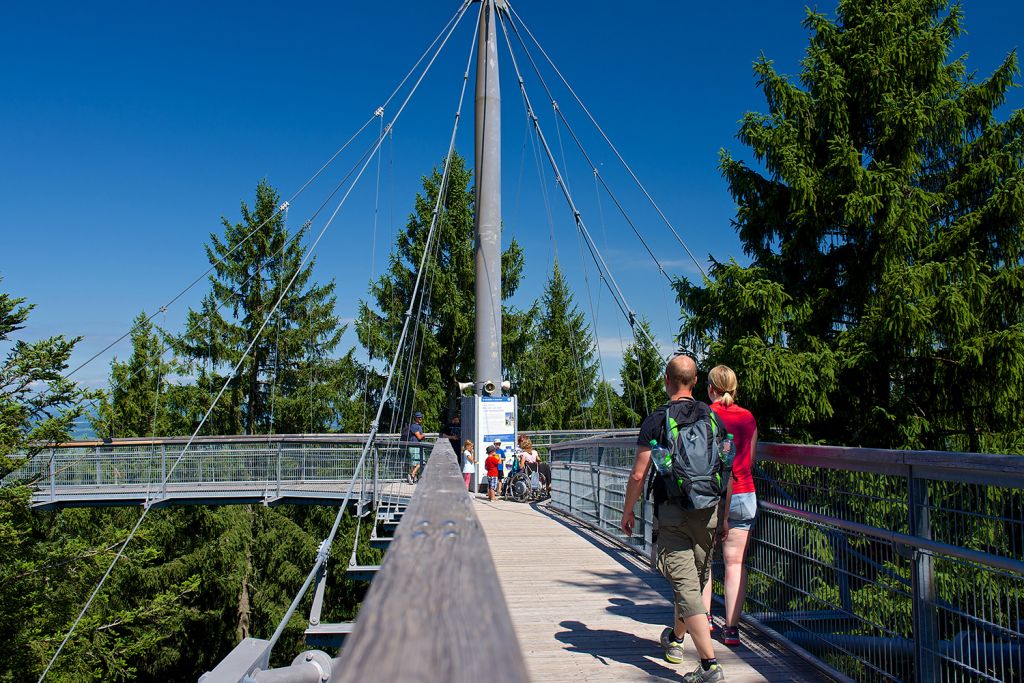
412 436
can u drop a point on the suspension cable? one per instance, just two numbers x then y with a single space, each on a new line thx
373 260
643 189
148 503
595 253
597 338
598 177
283 206
324 551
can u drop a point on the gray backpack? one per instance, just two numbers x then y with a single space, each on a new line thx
700 474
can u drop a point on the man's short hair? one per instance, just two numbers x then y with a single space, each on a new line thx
681 371
490 450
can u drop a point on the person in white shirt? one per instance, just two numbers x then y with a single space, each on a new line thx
468 461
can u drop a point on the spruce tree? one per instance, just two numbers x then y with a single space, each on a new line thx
643 380
135 404
560 371
441 335
37 404
288 382
884 304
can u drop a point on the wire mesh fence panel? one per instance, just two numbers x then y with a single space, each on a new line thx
909 572
886 565
589 479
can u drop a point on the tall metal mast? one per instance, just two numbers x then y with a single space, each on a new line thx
488 205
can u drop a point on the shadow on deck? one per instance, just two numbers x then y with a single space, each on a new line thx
586 610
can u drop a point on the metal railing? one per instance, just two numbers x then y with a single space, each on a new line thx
129 468
588 481
887 565
272 466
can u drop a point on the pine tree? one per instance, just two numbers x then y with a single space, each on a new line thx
134 404
560 371
37 404
884 304
643 380
442 334
288 382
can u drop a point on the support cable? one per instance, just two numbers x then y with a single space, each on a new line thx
373 260
575 350
378 112
324 551
664 218
325 547
425 301
593 313
595 253
598 178
238 290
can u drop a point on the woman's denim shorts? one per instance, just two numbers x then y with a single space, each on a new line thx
743 511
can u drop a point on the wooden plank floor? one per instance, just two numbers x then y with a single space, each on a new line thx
586 611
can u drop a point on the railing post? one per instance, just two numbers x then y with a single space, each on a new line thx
163 468
53 475
99 470
376 464
279 444
923 585
647 510
569 470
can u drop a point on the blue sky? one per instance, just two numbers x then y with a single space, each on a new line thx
129 129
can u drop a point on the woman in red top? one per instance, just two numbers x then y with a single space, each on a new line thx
736 529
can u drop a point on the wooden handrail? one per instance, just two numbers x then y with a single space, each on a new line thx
436 610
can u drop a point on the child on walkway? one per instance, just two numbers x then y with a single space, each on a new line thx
468 461
491 465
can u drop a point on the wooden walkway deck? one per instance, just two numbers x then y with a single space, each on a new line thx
585 610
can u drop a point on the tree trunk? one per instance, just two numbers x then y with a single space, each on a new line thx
244 609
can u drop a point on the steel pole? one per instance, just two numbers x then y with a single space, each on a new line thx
488 206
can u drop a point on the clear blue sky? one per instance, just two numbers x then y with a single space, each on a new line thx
129 129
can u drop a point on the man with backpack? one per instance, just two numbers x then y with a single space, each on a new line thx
687 440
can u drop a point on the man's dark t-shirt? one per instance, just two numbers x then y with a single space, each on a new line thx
413 432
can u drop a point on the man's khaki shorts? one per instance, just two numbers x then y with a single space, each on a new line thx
685 539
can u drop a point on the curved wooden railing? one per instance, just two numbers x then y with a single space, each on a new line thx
434 612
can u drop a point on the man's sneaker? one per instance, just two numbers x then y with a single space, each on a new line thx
699 675
731 635
673 647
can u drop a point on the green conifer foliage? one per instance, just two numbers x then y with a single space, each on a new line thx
884 304
288 383
37 405
136 404
560 371
643 380
442 335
